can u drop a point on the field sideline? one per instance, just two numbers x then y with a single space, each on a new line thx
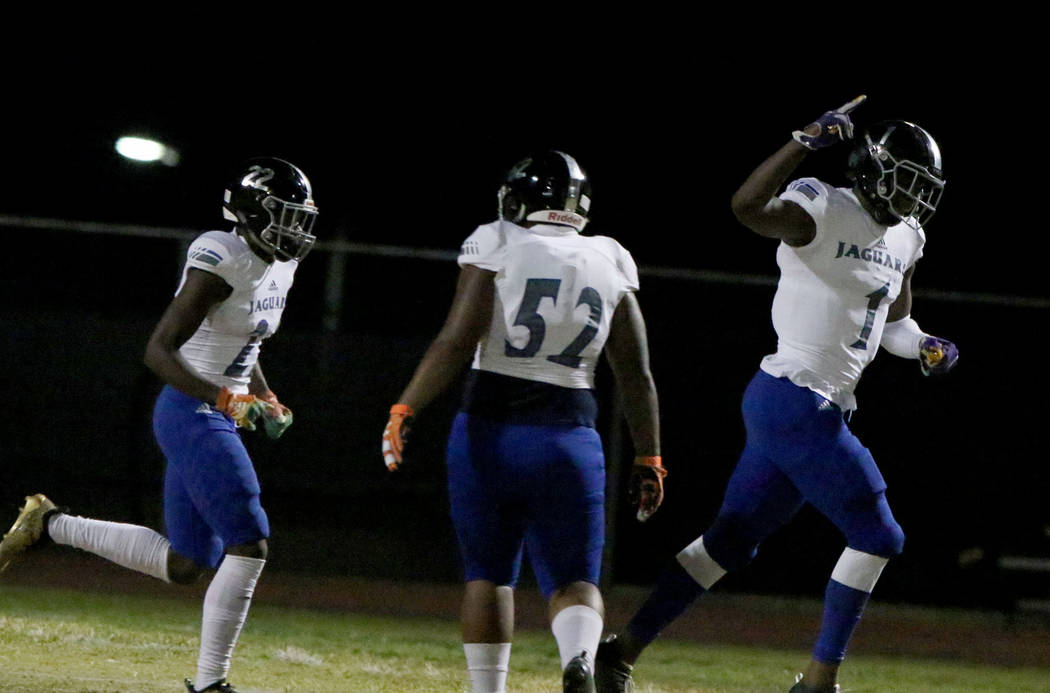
73 624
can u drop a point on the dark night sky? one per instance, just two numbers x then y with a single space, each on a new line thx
413 157
417 162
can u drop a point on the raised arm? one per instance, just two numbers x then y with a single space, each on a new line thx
756 205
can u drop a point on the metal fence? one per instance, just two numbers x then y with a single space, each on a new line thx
962 455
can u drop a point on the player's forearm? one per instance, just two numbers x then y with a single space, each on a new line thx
441 364
903 338
173 370
762 185
258 385
642 411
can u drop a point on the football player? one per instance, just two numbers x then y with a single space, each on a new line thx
846 258
537 302
206 349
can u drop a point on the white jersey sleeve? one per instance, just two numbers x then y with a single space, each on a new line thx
218 252
834 293
226 345
810 194
555 294
484 248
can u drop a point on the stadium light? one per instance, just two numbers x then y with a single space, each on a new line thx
146 150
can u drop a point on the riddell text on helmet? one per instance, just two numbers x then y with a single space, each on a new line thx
564 217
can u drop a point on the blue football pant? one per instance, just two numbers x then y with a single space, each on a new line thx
211 491
798 450
537 488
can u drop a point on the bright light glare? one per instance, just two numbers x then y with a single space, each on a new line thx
143 149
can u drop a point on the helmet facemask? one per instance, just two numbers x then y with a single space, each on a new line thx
271 200
896 169
911 193
288 233
510 207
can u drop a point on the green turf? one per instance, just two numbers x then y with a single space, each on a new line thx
73 642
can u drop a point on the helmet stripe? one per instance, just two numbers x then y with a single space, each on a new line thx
575 172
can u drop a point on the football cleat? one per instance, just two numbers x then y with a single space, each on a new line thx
800 687
26 530
578 676
219 685
611 673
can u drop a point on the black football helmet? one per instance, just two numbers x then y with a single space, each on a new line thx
272 200
896 166
548 188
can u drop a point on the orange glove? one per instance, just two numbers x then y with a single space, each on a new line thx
276 417
243 409
647 485
395 435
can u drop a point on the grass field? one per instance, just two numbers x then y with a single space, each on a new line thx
87 642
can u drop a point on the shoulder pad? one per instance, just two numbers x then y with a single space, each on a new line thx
216 247
621 257
809 188
218 252
625 263
483 247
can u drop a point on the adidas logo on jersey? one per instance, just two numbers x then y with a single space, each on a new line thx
469 248
273 286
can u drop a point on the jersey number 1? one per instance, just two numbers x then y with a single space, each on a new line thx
874 299
535 291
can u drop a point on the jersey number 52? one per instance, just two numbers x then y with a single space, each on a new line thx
535 291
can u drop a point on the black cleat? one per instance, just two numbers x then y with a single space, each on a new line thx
221 686
611 673
800 687
578 676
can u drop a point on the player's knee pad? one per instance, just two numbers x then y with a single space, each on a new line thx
892 541
252 549
182 570
731 542
884 539
872 529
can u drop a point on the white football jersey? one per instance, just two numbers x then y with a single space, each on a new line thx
556 292
226 346
835 292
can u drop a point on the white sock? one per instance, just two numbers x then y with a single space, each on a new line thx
858 569
577 629
130 546
225 609
487 664
696 561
